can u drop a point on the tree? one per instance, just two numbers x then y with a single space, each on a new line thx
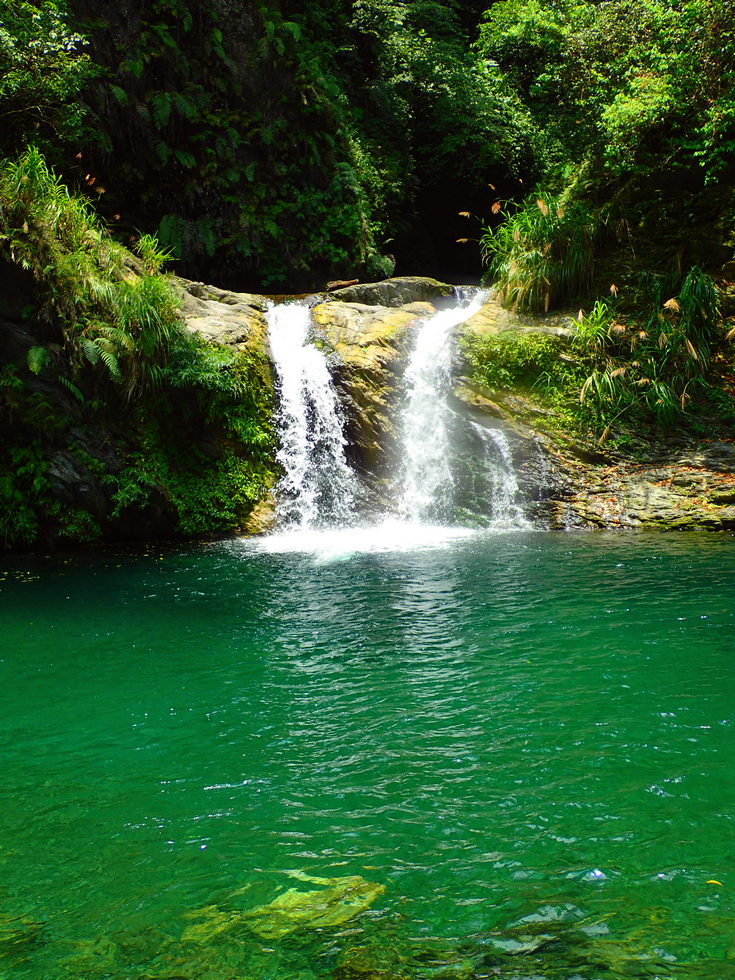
43 68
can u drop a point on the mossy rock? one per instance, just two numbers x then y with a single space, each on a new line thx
338 901
335 902
234 320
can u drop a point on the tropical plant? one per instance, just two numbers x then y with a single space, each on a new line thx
113 309
656 365
543 254
43 67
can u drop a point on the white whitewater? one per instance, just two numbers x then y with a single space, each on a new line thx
505 509
318 492
427 483
318 487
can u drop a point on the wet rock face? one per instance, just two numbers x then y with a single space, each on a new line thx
368 348
679 486
569 485
82 477
494 319
683 490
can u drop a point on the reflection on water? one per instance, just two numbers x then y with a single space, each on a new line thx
522 742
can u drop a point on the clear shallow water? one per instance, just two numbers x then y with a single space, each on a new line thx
527 739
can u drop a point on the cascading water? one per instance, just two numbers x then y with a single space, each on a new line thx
427 481
504 492
454 472
318 487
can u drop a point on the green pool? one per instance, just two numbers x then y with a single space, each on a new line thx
499 755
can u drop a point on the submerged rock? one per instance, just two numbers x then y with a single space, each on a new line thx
19 934
212 921
336 902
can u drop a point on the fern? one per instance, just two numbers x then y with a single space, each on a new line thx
117 311
72 388
161 104
38 358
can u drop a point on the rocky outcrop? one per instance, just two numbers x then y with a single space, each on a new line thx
368 330
685 489
368 347
398 291
493 319
568 484
235 320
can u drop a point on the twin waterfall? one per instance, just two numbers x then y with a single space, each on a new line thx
318 486
320 489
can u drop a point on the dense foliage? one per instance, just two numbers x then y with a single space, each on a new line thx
622 377
634 104
112 420
271 146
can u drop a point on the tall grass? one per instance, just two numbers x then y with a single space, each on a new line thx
115 309
542 255
657 365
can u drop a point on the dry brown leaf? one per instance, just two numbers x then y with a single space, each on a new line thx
606 432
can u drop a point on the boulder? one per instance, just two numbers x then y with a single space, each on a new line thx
398 291
235 320
494 318
368 346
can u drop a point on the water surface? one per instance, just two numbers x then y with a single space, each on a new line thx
526 738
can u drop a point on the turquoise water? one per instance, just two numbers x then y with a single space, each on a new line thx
527 740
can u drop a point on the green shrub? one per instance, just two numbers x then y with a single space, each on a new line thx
542 255
511 359
656 366
113 310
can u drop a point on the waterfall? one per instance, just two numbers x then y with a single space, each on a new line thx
318 487
504 492
427 481
452 471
